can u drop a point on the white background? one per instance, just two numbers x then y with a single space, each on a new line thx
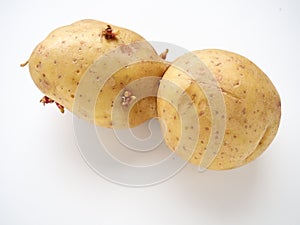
44 180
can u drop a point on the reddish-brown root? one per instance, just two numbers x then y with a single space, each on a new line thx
46 100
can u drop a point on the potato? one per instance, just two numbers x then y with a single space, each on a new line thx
103 55
234 108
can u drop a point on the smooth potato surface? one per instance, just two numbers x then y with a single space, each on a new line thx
251 115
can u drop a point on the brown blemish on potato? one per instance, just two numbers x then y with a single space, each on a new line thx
244 111
236 84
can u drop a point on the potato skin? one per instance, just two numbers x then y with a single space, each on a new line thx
253 109
59 62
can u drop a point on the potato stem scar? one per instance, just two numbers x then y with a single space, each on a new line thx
109 34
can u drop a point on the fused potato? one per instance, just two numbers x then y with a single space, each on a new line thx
252 110
59 63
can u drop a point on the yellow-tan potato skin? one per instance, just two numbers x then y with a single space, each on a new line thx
58 63
253 109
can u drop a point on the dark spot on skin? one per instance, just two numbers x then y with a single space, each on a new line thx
177 139
234 136
63 42
244 111
174 117
245 91
38 65
206 128
201 113
201 142
72 96
279 104
59 76
236 83
218 64
169 130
